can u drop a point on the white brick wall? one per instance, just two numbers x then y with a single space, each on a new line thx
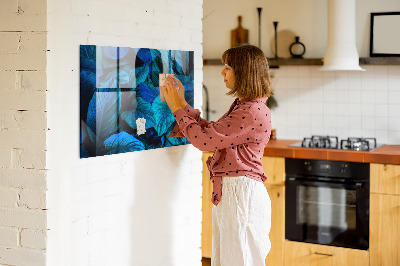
23 132
141 208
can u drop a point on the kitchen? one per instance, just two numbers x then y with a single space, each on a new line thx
316 103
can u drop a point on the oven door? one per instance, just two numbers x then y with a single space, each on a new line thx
327 213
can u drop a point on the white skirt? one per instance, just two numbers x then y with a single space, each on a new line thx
241 223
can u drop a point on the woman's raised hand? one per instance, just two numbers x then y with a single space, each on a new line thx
174 94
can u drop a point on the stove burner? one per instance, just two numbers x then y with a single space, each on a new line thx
332 142
358 144
328 142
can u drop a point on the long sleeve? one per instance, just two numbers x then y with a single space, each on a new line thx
193 113
231 130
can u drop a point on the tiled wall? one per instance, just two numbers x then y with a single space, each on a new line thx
313 102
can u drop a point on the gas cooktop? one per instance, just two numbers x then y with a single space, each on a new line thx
332 142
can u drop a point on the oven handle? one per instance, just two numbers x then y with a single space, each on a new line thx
357 185
324 254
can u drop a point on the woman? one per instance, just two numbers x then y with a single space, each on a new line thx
242 208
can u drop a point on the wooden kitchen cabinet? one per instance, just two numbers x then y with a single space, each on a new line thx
385 215
305 254
385 178
277 233
384 236
274 168
206 225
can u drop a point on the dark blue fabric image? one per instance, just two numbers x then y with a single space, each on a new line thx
119 88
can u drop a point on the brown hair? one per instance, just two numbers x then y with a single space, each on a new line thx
250 66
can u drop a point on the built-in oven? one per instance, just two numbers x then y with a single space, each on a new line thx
327 202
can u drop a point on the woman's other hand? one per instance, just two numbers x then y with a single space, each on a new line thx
174 94
181 91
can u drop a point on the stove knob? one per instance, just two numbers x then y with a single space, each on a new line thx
343 168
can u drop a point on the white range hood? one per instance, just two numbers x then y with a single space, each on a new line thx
341 51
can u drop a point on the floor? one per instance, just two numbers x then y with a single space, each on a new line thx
206 261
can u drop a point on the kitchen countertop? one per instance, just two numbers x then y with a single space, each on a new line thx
389 154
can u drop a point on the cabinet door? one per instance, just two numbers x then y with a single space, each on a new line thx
277 233
384 230
206 232
385 178
304 254
274 168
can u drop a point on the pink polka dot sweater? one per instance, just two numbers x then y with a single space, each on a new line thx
238 139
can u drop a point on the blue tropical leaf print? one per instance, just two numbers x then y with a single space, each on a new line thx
87 89
155 53
162 115
145 55
88 57
147 91
175 142
153 140
142 73
181 62
122 142
165 61
83 152
103 115
157 69
119 85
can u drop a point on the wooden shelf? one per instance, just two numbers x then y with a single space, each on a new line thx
380 61
274 63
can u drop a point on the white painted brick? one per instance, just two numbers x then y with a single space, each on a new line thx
31 54
22 218
168 19
23 178
196 10
31 80
7 80
33 199
33 239
23 139
23 22
34 120
33 7
23 100
12 256
98 222
8 237
5 158
190 23
8 197
33 159
9 42
8 6
80 227
178 7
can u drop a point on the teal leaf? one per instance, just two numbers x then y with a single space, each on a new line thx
103 116
156 70
122 142
145 55
162 115
155 53
142 73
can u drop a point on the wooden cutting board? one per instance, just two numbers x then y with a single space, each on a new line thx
239 35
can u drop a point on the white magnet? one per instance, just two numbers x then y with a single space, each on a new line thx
141 126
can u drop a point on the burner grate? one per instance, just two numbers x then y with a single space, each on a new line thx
358 144
327 142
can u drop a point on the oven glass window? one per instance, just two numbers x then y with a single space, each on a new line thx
326 207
